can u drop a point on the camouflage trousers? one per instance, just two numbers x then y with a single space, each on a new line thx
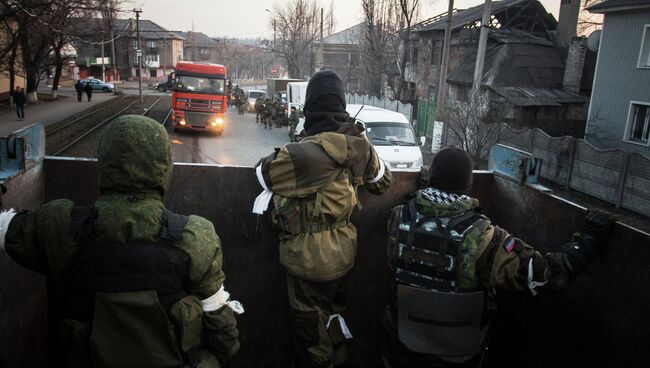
310 306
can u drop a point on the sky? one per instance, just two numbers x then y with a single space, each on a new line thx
248 19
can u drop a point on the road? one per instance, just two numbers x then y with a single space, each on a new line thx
242 143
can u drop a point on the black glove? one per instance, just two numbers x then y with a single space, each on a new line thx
583 249
598 224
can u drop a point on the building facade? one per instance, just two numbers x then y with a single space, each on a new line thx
619 116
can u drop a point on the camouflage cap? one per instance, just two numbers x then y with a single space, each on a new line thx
134 156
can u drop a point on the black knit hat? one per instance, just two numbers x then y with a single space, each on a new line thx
324 103
451 171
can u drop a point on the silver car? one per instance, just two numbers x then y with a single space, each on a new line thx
99 85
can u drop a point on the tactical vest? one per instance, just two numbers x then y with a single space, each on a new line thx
119 297
438 298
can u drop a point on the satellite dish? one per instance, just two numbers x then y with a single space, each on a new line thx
593 41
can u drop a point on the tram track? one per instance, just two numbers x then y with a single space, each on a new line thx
82 134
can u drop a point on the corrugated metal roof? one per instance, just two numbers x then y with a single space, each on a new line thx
606 6
474 14
523 96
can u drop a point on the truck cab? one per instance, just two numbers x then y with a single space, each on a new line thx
199 99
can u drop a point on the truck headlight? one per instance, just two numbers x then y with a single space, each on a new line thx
217 121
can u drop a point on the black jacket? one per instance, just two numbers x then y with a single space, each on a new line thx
19 98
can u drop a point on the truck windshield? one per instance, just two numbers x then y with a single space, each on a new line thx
390 134
185 83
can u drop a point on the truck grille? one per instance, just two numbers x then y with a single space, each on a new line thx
204 105
197 118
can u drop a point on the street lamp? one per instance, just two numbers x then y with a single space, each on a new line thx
139 52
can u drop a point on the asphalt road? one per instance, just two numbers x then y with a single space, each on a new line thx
242 143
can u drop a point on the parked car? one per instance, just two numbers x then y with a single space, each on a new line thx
167 85
99 85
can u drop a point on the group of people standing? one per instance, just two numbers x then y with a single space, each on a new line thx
270 112
81 88
127 266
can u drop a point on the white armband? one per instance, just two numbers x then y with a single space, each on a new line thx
5 220
262 201
219 299
533 284
380 174
344 327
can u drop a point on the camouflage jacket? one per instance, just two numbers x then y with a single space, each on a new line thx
493 259
134 170
314 193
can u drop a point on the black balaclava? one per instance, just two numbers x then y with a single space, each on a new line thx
451 171
324 103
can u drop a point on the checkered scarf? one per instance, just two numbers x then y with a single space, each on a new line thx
437 196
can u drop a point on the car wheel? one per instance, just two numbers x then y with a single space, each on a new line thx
105 89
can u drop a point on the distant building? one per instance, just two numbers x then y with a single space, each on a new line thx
619 116
532 74
342 53
199 47
161 50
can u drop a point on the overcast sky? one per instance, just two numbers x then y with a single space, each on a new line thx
247 18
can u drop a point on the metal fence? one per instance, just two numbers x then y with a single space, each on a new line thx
615 176
384 103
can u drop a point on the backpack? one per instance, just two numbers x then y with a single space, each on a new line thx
117 298
438 298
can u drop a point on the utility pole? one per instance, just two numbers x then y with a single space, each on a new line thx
139 52
442 83
274 37
113 62
103 58
322 54
480 53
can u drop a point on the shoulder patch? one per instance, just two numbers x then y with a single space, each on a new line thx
509 244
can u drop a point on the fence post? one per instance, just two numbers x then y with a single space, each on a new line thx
621 182
572 155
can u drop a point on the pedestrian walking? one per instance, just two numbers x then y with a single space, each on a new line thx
80 89
19 100
89 91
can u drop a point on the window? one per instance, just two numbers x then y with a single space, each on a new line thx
415 55
152 58
135 44
151 44
153 73
205 51
436 53
644 56
638 126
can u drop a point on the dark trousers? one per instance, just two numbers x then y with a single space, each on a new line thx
318 339
89 95
79 96
20 111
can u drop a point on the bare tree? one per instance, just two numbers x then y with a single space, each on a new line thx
297 26
588 22
380 21
474 125
408 12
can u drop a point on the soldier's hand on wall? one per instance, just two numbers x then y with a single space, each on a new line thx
586 243
598 224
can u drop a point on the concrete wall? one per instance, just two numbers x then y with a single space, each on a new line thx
618 81
599 321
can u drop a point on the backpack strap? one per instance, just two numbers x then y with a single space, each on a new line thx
319 192
172 226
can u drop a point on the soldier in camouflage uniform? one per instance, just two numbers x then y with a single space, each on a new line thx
267 113
313 188
445 257
126 267
293 123
259 108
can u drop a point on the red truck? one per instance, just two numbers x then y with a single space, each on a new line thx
199 98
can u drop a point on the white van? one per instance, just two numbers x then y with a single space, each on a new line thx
252 95
392 136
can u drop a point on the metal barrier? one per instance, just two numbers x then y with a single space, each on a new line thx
601 320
